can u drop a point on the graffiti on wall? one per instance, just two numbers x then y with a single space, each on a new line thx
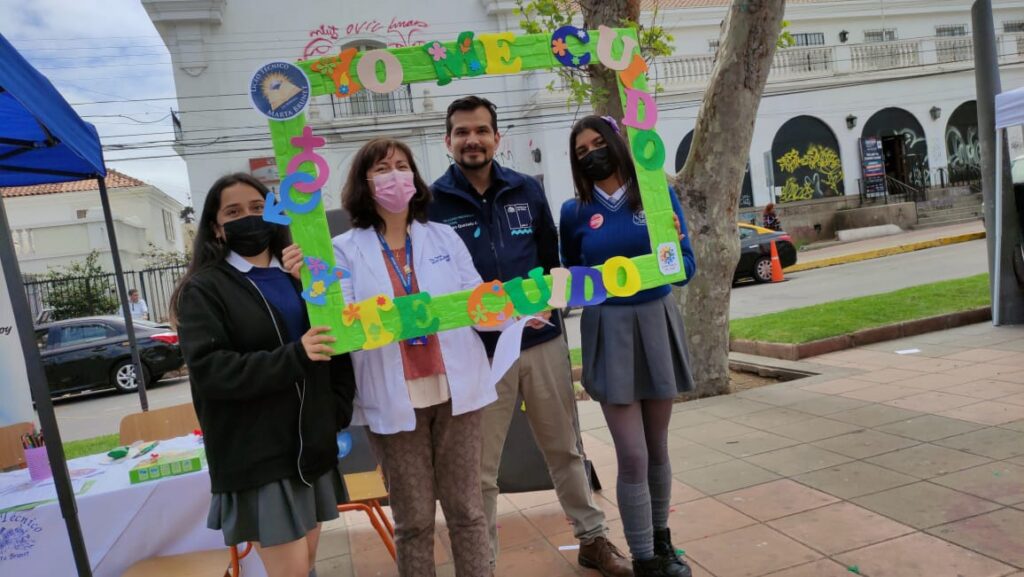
398 32
910 165
821 169
807 165
963 148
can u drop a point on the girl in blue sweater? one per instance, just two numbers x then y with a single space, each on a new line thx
635 360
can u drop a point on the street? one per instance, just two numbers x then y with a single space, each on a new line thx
846 281
83 417
99 414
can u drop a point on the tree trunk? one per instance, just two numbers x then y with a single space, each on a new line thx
605 96
713 176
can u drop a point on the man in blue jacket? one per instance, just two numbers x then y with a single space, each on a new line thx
504 218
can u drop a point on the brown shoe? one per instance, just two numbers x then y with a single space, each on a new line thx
599 553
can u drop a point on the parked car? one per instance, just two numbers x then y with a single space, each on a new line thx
93 352
756 252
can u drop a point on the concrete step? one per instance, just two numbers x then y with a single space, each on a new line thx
949 203
948 214
920 225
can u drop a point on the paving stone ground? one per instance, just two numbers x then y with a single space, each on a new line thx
896 465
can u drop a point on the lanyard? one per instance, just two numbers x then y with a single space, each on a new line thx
404 275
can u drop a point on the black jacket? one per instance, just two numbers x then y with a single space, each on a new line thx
507 239
251 392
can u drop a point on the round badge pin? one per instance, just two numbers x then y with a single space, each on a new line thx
279 90
596 221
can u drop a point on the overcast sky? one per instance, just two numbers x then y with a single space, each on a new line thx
108 61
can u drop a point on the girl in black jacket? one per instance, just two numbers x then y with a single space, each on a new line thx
269 396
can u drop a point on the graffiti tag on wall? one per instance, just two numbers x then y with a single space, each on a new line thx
398 33
820 169
963 147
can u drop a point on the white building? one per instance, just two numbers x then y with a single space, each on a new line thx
55 224
897 70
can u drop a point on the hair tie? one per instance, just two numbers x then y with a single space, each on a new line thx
611 122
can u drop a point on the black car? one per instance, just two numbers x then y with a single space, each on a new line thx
93 352
756 252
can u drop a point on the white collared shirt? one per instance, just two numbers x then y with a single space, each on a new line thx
613 197
243 266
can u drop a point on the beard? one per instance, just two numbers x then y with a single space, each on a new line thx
465 163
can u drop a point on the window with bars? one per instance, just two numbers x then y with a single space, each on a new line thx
881 35
1013 26
947 30
713 45
809 39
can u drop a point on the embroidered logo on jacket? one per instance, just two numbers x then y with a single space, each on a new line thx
640 218
520 221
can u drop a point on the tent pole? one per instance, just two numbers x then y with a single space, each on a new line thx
41 395
122 294
996 294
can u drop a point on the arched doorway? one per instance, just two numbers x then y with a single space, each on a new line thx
963 149
805 160
683 152
903 145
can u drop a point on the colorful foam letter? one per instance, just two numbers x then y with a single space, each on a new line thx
561 49
604 49
453 63
610 273
478 311
649 150
393 73
631 117
523 304
578 296
498 51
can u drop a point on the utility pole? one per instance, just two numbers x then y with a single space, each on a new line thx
1007 296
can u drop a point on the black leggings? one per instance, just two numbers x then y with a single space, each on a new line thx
640 434
644 484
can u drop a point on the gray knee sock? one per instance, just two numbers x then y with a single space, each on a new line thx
659 478
635 509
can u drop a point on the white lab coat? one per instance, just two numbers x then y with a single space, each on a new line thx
443 265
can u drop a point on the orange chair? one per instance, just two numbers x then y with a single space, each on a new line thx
365 492
213 563
12 453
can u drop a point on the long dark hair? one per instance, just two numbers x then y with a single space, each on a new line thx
618 151
356 196
208 250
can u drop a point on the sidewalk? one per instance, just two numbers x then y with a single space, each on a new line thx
883 464
843 253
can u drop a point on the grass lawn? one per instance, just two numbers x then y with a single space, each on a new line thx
843 317
101 444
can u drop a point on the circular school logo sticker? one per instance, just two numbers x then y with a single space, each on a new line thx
596 221
279 90
18 533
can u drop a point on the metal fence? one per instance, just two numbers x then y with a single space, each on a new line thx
155 286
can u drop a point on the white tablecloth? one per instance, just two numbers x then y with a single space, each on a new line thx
122 523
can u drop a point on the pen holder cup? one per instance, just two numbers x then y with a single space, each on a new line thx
38 463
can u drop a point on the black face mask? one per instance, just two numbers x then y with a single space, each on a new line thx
597 165
249 236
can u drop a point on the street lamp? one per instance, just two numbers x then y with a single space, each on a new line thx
936 112
851 122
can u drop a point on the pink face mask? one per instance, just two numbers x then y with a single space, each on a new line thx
394 189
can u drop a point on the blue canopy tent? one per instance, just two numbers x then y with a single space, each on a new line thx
43 140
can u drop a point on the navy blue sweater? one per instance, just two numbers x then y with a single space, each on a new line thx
596 231
509 231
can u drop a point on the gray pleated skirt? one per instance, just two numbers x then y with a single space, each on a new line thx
635 352
276 513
